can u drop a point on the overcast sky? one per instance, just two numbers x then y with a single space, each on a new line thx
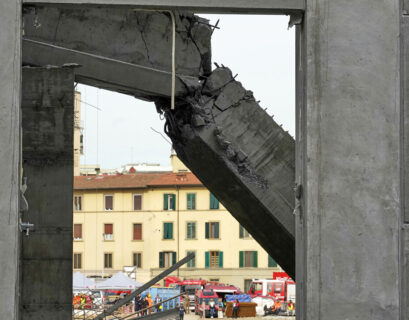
259 49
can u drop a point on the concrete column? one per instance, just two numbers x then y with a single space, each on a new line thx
10 57
351 215
48 119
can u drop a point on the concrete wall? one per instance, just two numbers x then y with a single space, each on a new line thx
47 121
10 24
405 156
351 216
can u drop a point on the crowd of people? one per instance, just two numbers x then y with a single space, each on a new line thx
143 305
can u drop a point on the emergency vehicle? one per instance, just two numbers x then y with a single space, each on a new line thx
203 298
281 287
190 286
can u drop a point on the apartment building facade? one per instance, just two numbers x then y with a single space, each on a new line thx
151 220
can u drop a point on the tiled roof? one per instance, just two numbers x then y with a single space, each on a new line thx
172 179
135 180
120 181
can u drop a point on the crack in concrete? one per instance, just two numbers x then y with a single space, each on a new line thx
142 32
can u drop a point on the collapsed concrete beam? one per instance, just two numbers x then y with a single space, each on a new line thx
241 155
119 49
107 73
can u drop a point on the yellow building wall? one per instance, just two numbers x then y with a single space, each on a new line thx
152 216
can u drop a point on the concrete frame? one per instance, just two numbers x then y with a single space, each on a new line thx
197 6
327 71
10 124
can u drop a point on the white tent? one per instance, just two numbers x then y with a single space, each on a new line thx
119 281
81 282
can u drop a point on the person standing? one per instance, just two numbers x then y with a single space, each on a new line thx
149 299
212 308
186 302
236 306
156 302
290 308
181 311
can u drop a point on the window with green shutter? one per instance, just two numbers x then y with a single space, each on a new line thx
214 203
243 233
248 259
271 262
212 230
191 201
191 230
168 230
214 259
191 263
169 201
167 259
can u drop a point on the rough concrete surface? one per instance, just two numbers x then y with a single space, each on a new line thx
10 24
199 6
136 38
242 156
47 121
351 161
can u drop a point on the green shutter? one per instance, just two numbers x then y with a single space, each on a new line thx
165 201
216 230
173 201
241 259
220 259
271 262
241 232
207 230
214 203
193 230
188 202
170 230
161 262
255 259
193 201
173 258
207 259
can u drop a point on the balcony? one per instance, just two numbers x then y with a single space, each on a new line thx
108 237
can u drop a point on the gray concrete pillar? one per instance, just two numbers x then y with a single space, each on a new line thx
348 237
47 121
10 57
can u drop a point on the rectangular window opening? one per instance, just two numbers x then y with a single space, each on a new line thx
191 263
109 202
169 201
108 231
167 259
191 201
168 230
212 230
137 231
214 203
191 230
78 203
77 260
137 202
77 231
137 259
108 260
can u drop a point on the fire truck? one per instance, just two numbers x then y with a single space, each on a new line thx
190 286
281 287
